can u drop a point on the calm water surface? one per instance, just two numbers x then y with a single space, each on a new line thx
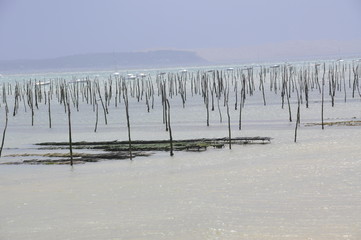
283 190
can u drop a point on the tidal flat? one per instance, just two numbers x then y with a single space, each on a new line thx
304 189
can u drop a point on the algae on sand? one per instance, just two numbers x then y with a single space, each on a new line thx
118 150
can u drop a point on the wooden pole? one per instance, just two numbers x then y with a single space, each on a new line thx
229 127
322 93
262 86
70 138
170 129
242 101
298 114
288 96
126 103
6 125
49 112
105 110
96 115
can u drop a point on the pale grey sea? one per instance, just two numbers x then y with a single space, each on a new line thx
283 190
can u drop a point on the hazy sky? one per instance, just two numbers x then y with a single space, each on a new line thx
51 28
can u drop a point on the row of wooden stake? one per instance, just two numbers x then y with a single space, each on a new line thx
213 86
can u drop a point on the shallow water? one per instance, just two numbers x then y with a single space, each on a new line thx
283 190
308 190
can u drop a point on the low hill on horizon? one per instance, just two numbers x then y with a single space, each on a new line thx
104 61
